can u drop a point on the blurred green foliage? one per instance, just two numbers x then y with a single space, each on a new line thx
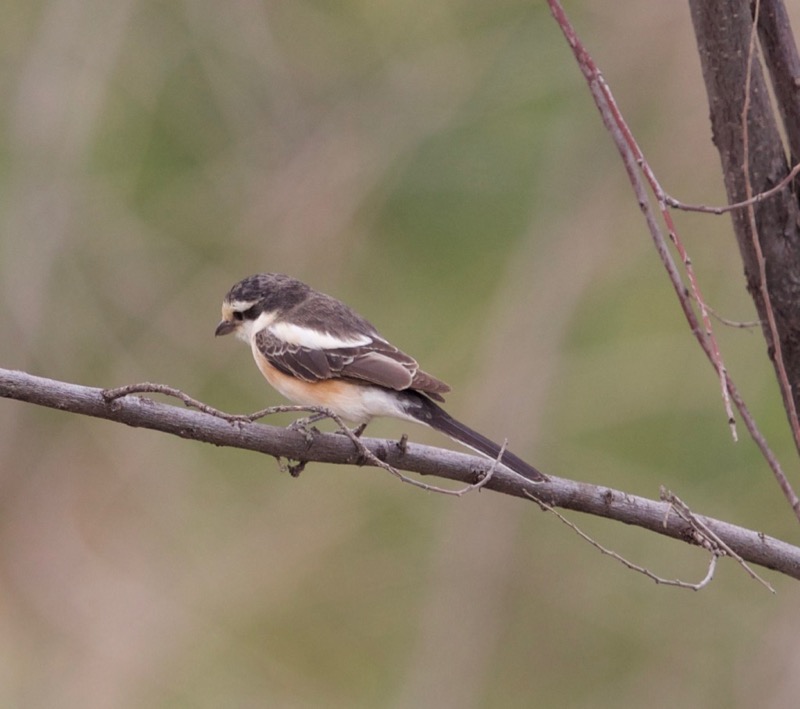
439 166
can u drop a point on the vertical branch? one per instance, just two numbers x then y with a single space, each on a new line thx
771 324
783 63
723 30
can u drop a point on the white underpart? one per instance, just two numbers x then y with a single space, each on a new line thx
313 339
360 404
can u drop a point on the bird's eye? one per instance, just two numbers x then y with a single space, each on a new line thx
238 315
251 313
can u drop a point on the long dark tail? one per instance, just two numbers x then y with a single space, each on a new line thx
425 411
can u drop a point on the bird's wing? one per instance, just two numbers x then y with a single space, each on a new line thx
313 356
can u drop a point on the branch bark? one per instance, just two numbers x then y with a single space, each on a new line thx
723 30
601 501
783 64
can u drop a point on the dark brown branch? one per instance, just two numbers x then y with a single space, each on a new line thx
783 64
723 29
656 516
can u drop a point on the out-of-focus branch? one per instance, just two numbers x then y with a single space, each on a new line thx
656 516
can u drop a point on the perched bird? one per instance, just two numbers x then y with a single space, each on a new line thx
317 351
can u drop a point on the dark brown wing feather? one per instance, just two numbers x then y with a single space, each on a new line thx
377 362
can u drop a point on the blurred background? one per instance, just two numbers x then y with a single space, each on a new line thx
438 165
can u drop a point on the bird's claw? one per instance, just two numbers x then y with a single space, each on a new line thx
303 425
357 431
296 468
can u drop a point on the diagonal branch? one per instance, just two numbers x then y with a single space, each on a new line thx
751 546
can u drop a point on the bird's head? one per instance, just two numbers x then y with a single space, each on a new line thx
258 299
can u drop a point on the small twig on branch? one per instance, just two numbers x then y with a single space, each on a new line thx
294 469
712 564
706 537
376 461
752 201
748 325
151 388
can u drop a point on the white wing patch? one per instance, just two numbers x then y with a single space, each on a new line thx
314 339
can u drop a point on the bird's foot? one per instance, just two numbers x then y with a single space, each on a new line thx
357 431
296 468
304 426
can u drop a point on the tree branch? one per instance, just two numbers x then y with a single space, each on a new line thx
656 516
754 160
783 63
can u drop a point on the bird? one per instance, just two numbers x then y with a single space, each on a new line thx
317 351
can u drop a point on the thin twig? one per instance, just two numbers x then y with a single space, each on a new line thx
375 460
706 536
756 199
712 565
295 469
739 324
150 388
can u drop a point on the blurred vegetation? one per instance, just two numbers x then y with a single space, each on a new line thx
439 166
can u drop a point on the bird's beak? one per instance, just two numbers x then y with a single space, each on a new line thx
225 327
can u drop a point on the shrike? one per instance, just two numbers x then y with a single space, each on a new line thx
317 351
